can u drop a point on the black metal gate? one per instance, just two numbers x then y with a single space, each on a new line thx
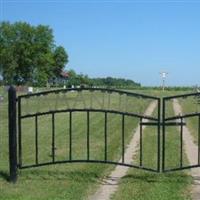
71 101
186 111
108 102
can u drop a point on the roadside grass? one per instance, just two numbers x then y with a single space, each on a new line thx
141 185
66 181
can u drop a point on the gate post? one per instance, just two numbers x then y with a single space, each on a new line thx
12 133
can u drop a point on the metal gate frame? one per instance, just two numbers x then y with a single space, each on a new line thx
15 159
178 121
15 144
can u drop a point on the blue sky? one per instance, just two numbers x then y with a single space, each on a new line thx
129 39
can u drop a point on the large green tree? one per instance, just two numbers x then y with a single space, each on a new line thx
28 54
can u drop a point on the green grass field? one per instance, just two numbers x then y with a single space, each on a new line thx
140 185
77 181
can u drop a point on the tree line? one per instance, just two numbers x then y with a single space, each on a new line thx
29 56
84 80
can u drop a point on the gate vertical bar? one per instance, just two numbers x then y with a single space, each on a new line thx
12 133
36 139
88 135
159 121
199 141
163 135
181 143
53 138
141 149
70 135
122 138
105 137
19 133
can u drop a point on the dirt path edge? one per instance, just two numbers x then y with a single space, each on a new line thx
191 150
110 184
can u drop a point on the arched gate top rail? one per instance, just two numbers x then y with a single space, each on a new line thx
85 99
89 89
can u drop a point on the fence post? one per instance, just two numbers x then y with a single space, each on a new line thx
12 133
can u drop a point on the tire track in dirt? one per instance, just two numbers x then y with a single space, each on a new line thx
191 151
110 184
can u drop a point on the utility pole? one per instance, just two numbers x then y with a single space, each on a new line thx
163 76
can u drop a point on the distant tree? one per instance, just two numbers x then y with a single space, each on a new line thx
114 82
81 79
73 78
28 54
60 59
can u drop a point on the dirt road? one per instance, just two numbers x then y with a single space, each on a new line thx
110 183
